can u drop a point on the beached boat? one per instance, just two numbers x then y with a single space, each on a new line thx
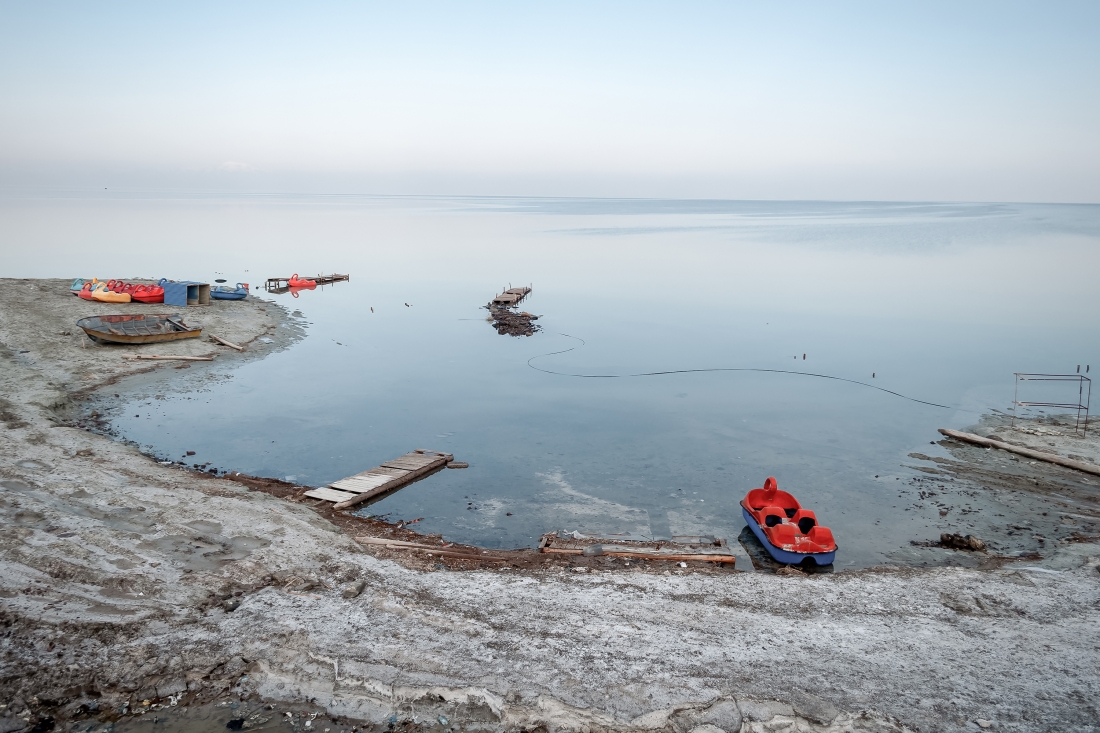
224 292
138 328
148 294
101 293
788 532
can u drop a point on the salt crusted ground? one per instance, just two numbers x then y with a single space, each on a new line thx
115 574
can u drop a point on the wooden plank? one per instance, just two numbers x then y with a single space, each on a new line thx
366 495
417 458
369 481
359 487
223 342
150 357
383 471
679 557
412 465
1030 453
329 494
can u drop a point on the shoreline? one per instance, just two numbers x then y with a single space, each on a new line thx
125 580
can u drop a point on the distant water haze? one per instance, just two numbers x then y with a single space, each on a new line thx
940 302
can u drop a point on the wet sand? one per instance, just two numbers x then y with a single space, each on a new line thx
124 581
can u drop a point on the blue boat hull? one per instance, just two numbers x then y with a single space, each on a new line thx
784 556
222 295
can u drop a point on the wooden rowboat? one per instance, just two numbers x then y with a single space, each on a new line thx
138 328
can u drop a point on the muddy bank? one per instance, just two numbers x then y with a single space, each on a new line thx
124 581
1017 505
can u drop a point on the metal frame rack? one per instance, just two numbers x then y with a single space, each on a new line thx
1083 397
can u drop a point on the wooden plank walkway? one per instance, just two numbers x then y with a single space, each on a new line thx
353 490
511 296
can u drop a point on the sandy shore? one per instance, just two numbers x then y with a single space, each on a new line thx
123 580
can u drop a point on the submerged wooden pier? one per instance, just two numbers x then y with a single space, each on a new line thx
353 490
283 283
511 296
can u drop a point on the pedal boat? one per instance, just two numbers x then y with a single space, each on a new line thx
224 292
103 294
790 533
296 282
137 328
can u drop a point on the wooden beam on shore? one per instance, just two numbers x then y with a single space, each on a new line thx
402 545
152 357
680 557
223 342
1038 455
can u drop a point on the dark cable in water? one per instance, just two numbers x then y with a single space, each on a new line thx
714 369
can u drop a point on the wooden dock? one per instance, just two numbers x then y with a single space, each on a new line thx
353 490
283 283
511 296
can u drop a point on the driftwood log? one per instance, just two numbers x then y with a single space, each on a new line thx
1038 455
691 557
151 357
223 342
403 545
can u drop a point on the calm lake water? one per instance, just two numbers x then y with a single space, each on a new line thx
938 302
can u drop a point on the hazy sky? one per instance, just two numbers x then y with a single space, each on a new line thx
928 101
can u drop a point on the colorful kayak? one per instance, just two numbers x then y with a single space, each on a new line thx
224 292
790 533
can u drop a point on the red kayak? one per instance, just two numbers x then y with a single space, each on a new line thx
788 532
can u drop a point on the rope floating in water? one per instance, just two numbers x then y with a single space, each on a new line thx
714 369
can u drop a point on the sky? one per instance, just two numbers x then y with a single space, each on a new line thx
975 101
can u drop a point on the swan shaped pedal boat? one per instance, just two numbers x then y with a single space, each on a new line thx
224 292
790 533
